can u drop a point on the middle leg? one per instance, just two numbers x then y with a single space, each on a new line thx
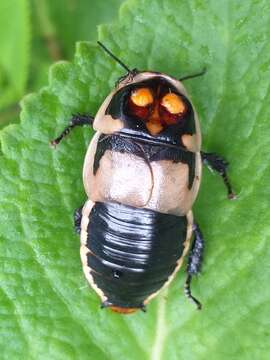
220 165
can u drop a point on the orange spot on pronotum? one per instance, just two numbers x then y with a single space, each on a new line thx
142 97
173 103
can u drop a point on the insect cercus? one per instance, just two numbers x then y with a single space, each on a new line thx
142 173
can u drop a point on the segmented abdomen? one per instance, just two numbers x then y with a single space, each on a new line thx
132 252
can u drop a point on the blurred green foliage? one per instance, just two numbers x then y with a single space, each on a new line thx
36 33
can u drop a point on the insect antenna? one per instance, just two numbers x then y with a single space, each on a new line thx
114 57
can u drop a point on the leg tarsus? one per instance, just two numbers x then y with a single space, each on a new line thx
188 294
76 120
77 220
194 263
220 165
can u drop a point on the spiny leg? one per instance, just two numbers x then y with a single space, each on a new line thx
76 120
194 263
220 165
77 219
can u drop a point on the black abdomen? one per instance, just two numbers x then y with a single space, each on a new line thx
133 251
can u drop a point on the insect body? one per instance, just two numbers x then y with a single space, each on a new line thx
142 173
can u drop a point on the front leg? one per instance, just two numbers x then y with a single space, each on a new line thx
219 164
76 120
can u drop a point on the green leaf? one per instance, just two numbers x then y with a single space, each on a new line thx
63 22
56 26
14 50
48 312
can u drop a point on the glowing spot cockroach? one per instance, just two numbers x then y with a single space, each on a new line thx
142 174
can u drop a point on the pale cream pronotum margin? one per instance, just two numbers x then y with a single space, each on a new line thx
101 125
104 123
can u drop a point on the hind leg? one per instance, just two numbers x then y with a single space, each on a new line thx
78 219
194 263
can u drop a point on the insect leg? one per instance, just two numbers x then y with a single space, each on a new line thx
76 120
194 263
77 219
220 165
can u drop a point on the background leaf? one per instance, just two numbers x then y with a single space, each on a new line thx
47 309
59 24
14 49
31 40
80 20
